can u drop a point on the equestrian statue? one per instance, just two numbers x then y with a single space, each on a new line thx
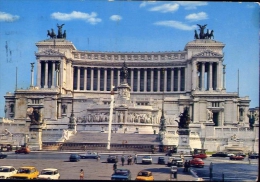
60 35
202 35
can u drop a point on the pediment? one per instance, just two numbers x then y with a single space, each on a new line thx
208 53
49 52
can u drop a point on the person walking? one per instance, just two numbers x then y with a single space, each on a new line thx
135 159
81 174
186 166
115 167
123 160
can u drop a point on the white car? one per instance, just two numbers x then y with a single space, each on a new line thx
147 159
230 154
49 173
7 171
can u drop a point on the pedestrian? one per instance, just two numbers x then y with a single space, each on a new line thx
115 167
186 166
135 159
249 161
189 165
128 160
123 160
131 160
81 174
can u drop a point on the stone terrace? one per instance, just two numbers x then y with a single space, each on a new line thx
116 138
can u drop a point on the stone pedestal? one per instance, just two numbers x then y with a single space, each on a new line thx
35 137
184 141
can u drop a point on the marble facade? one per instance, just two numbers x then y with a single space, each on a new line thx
194 77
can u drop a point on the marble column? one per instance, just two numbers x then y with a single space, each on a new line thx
194 75
172 79
132 79
46 75
145 79
98 82
78 78
53 74
92 79
138 80
202 76
85 78
210 76
105 79
165 81
158 80
152 79
118 76
179 79
39 75
112 77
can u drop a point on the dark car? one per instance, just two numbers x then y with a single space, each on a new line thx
171 152
220 154
23 150
112 159
161 160
89 155
121 174
74 158
253 156
2 156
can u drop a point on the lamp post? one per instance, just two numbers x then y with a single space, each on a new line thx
32 66
110 117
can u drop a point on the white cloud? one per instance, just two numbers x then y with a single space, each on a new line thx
90 18
115 18
197 16
165 8
8 17
175 24
191 4
143 4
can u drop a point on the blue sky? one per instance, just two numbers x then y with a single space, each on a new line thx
128 26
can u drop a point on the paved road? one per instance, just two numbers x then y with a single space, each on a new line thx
232 170
94 170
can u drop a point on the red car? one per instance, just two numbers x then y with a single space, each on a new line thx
23 150
236 157
201 156
197 162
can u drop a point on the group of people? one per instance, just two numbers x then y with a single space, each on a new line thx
187 166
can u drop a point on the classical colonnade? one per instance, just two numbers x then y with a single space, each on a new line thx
206 76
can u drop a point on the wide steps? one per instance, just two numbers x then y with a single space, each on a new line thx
116 138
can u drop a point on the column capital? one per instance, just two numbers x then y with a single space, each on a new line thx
210 63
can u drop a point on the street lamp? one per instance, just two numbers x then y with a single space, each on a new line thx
110 117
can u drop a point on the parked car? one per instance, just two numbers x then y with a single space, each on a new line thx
74 158
230 154
147 159
201 156
26 173
112 159
49 173
177 162
161 160
254 156
121 174
2 155
171 152
219 154
144 176
170 159
197 162
89 155
23 150
241 154
7 171
236 157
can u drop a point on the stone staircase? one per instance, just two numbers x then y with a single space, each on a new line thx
116 138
